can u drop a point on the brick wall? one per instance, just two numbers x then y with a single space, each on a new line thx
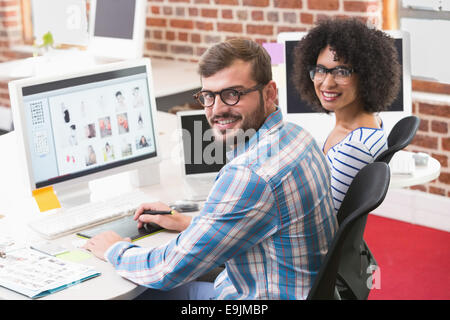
184 29
433 138
10 28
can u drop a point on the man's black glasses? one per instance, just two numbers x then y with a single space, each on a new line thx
229 96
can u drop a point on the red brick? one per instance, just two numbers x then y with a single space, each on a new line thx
359 6
323 4
306 18
193 12
257 15
181 49
230 27
446 144
260 29
443 159
183 36
425 141
227 2
156 46
424 125
209 13
184 24
155 9
170 35
227 14
207 26
290 29
294 4
444 177
419 188
439 126
256 3
435 110
196 38
438 191
156 22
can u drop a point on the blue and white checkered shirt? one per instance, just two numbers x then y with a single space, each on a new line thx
269 218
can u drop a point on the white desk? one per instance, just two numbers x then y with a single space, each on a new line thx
421 175
169 76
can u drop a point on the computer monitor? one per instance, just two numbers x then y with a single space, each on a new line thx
320 124
201 154
117 28
74 128
202 157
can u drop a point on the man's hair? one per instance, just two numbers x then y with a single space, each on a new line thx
370 52
222 55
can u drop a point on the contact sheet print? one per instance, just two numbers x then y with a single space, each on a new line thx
36 274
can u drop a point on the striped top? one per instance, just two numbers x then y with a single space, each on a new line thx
360 147
269 218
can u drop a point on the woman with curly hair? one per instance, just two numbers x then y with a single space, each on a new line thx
345 67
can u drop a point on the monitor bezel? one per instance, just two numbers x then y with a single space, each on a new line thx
115 47
19 118
316 122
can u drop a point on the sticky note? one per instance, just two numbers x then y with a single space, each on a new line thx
74 255
46 199
276 51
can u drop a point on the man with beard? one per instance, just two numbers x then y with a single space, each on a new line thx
269 217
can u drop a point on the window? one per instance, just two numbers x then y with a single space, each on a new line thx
65 19
428 23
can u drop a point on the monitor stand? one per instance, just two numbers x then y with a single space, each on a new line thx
76 194
73 195
145 176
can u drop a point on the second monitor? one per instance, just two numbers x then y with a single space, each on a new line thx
319 124
202 156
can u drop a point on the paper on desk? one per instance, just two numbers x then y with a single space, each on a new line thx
74 255
46 199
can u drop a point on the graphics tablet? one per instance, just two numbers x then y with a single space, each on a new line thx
125 227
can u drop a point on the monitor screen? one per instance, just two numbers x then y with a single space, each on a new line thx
114 19
117 28
201 154
80 125
320 124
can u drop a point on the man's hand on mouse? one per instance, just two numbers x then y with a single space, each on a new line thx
175 221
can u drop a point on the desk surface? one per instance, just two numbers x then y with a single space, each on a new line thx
17 209
169 76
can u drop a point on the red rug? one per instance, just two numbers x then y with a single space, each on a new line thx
414 260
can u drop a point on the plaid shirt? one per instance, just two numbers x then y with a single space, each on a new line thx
269 218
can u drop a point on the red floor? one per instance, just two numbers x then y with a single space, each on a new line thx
414 260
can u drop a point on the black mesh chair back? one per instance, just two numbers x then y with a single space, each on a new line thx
366 192
400 136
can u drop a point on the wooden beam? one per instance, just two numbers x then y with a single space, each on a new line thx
390 15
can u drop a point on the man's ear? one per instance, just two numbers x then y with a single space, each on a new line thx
271 93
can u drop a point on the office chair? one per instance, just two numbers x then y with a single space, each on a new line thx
366 192
400 136
358 258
